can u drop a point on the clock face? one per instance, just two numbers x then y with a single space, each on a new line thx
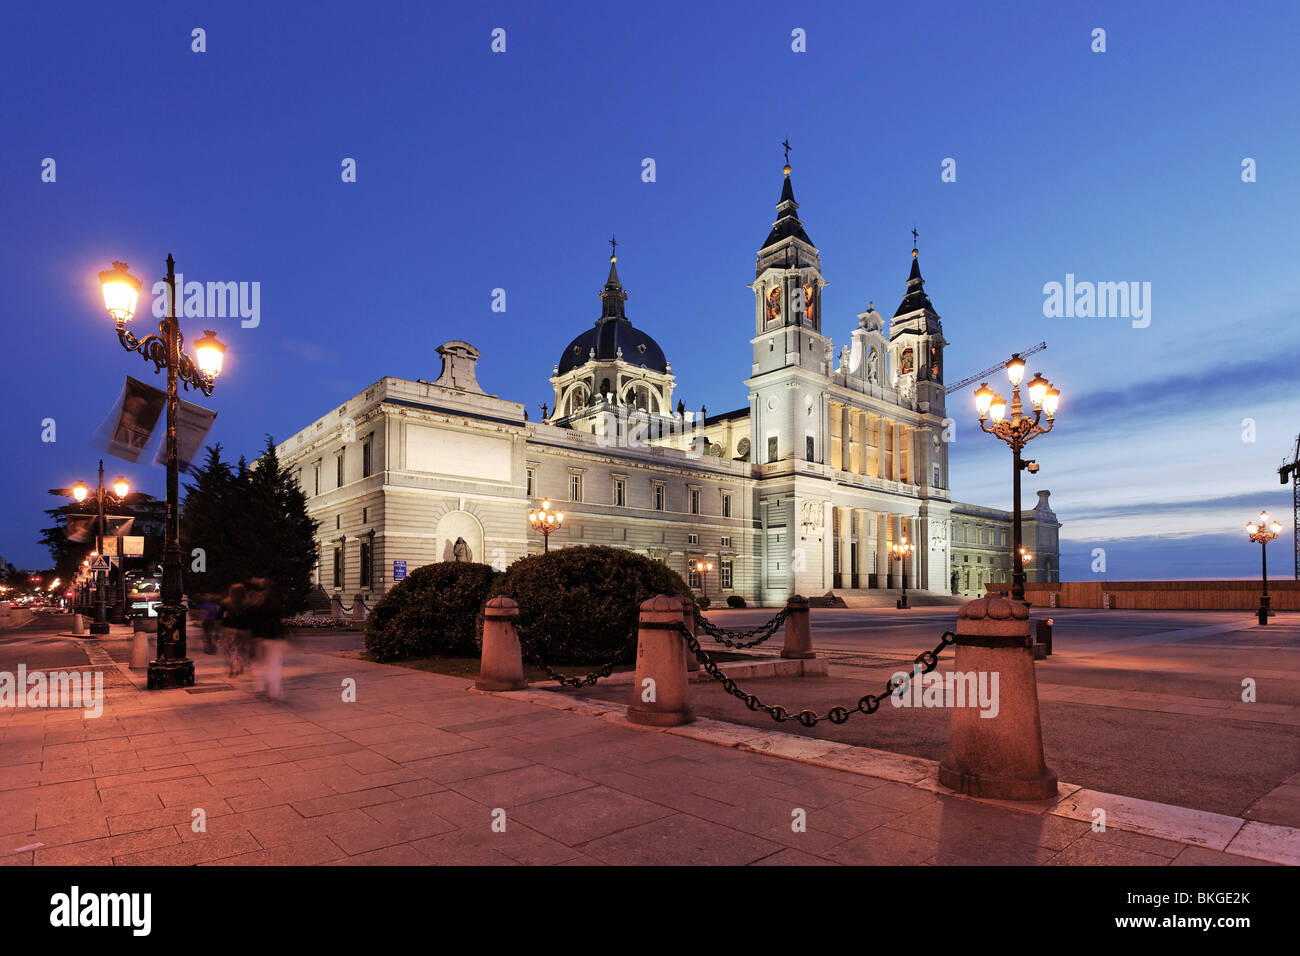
774 303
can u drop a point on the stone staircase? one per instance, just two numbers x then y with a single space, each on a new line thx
888 598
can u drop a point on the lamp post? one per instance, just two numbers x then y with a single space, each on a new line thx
166 350
1263 530
80 493
547 522
1017 431
1025 557
901 550
702 568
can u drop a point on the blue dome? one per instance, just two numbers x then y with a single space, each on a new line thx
607 338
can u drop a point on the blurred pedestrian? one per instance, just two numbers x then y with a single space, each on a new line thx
266 621
235 634
208 611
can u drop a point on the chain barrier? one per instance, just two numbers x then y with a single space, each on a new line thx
348 610
741 639
527 645
868 704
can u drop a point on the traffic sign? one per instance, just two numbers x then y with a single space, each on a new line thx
99 563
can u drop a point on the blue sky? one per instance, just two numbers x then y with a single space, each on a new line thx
478 171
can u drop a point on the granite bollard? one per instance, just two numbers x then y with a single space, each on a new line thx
1001 756
502 664
660 684
798 630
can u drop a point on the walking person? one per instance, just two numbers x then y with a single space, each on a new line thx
235 635
271 637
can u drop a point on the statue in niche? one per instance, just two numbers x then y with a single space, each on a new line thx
460 550
873 370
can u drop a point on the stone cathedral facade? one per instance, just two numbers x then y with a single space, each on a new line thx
802 490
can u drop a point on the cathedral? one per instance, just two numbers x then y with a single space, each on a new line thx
805 489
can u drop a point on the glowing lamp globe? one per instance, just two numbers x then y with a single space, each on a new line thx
121 292
209 353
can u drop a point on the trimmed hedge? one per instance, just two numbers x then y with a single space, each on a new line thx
578 605
436 610
735 600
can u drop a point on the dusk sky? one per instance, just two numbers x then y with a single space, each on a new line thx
479 170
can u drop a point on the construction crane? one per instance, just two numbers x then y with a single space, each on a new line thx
989 371
1291 469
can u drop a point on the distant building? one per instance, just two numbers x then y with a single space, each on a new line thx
801 491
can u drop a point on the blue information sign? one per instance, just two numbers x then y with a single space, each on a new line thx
399 570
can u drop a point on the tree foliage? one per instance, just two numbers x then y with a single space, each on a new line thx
247 521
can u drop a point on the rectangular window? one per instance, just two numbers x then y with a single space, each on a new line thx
365 564
340 470
695 501
338 566
365 458
316 479
726 505
659 497
575 487
692 539
936 476
692 577
809 448
724 573
620 492
725 542
531 490
364 515
772 447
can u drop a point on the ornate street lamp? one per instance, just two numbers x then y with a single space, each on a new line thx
546 521
902 550
166 350
80 493
1017 430
1263 530
702 568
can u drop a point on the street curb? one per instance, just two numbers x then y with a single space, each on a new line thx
1270 842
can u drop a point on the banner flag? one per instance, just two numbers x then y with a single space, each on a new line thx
130 424
193 422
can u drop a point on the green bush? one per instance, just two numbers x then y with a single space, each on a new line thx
578 605
735 600
436 610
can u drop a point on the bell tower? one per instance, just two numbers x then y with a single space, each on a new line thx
792 359
916 344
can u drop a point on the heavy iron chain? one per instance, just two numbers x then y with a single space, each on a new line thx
868 704
529 648
740 639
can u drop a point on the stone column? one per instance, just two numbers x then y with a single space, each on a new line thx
881 469
882 550
997 752
898 456
688 621
861 516
846 438
659 687
501 666
843 545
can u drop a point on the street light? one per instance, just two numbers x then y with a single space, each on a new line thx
166 350
1017 431
1263 530
546 521
80 493
901 550
702 568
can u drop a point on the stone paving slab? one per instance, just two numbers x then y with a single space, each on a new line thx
417 769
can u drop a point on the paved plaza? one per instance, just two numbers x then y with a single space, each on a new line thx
418 767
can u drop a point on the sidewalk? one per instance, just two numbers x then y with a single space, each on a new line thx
413 770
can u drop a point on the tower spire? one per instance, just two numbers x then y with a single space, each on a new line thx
612 296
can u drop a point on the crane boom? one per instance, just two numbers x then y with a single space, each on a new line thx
989 371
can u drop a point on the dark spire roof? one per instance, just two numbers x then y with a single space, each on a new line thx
612 296
787 223
614 337
915 298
